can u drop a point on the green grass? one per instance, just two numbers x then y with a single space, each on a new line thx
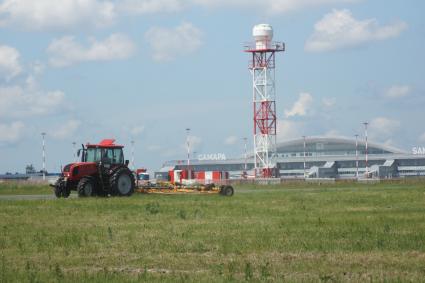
301 233
24 188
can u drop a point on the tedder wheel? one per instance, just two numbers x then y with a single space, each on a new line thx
227 191
85 187
122 182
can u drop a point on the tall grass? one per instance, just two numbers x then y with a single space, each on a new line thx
270 234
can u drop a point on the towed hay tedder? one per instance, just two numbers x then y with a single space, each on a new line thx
179 184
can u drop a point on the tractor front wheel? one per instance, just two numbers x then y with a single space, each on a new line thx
66 192
60 189
85 187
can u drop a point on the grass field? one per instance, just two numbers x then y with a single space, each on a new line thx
308 233
24 188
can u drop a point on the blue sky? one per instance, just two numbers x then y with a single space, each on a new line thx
146 70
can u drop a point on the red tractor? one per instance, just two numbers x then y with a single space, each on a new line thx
101 172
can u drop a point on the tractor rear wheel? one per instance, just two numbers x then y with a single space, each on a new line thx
85 187
122 182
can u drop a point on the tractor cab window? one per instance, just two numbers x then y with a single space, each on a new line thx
112 156
92 155
106 155
119 156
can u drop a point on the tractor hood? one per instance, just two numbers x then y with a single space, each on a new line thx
78 169
69 166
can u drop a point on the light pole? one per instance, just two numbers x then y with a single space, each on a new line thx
188 151
43 135
132 155
304 138
357 156
366 148
75 153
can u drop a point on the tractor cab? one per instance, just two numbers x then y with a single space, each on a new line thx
106 152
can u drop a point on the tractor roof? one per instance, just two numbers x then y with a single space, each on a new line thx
106 143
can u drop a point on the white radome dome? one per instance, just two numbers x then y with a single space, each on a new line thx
263 35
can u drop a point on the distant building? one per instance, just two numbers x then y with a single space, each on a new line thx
29 169
324 158
30 174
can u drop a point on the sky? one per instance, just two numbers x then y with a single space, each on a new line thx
145 70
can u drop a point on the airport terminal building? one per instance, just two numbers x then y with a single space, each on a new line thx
324 158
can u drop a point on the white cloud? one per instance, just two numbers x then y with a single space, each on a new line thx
339 29
422 138
167 44
65 15
288 130
9 62
397 91
35 70
194 143
154 148
329 102
137 130
11 133
170 153
270 6
66 51
383 128
31 82
41 15
231 140
37 67
18 102
332 133
66 130
301 106
150 6
390 143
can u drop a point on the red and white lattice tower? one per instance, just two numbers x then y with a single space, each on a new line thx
262 67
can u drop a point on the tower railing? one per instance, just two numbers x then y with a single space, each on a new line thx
275 46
